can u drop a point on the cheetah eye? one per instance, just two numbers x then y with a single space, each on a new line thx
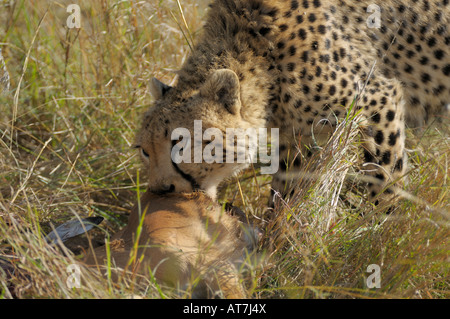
143 152
146 155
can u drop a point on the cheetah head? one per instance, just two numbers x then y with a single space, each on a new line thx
176 150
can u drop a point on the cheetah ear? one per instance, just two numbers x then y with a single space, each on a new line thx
158 89
223 87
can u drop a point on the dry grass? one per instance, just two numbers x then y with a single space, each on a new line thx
65 150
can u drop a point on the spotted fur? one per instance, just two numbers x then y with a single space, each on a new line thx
291 64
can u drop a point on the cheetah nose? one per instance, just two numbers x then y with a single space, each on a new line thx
165 189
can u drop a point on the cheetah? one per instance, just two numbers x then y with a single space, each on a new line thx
184 237
295 65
